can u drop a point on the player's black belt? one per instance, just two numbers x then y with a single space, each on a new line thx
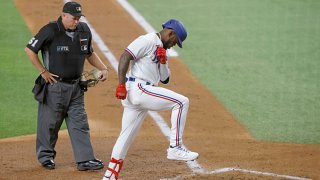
69 81
132 79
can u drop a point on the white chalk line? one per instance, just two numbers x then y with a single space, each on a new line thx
193 165
232 169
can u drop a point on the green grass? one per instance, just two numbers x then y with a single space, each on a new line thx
260 58
18 109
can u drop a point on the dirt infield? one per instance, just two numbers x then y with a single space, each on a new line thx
210 130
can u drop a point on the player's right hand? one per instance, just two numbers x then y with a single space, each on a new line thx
121 91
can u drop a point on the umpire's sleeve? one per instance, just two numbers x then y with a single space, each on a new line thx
42 37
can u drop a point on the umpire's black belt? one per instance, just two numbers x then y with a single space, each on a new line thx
69 81
132 79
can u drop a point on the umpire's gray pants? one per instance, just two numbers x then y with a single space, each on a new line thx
63 101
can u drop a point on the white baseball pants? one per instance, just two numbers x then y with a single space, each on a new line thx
140 99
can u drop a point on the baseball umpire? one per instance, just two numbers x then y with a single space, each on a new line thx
64 45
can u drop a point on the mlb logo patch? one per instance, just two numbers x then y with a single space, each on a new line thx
78 9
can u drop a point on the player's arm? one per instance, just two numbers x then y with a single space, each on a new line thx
124 66
95 61
121 91
161 54
164 73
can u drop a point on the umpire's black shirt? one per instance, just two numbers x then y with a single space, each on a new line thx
63 52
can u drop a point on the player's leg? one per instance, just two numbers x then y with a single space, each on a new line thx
158 98
132 120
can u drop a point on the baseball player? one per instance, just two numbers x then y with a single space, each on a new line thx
140 93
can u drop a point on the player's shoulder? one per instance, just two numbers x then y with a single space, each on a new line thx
143 41
149 36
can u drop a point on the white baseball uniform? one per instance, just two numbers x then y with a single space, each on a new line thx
143 94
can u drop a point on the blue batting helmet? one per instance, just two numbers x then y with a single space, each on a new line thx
178 27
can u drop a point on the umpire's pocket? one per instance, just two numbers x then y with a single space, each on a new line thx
39 89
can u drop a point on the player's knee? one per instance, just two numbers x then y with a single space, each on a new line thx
185 101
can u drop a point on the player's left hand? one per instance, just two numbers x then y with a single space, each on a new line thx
161 55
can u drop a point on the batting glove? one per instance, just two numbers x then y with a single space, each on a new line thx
121 91
161 55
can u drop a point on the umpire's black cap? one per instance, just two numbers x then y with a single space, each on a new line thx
73 8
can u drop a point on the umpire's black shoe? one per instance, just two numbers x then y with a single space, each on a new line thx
49 164
94 164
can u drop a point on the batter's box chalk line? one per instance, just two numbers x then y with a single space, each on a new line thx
230 169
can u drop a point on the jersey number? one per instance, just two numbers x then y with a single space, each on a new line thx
33 41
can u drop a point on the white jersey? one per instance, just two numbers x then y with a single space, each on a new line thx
145 65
